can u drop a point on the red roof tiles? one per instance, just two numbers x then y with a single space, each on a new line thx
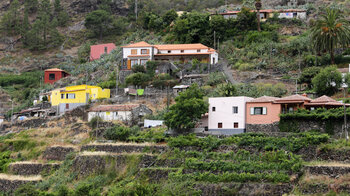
263 99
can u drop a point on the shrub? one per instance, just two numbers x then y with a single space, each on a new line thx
94 122
216 78
138 79
119 133
139 69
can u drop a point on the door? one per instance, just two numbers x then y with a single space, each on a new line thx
129 64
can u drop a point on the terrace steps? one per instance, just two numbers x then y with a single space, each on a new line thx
9 183
28 168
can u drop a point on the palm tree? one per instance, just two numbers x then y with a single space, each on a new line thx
330 31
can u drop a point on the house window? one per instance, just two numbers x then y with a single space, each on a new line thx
143 61
116 113
62 96
67 105
70 96
182 51
235 125
169 51
258 111
213 109
106 49
198 50
220 125
52 76
290 109
144 51
133 62
134 51
235 109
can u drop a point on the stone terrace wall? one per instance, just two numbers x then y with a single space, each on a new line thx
244 189
331 171
85 165
58 153
8 185
31 168
121 148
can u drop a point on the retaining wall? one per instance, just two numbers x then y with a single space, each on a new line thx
122 148
9 184
331 171
58 153
31 168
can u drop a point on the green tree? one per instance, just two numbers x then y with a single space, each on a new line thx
60 13
10 22
330 31
328 81
246 20
164 80
31 6
307 75
169 17
187 110
138 79
98 22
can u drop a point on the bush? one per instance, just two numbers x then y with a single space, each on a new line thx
139 69
216 78
119 133
94 122
138 79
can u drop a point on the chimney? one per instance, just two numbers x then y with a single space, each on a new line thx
304 95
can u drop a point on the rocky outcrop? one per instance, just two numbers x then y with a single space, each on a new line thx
57 153
125 148
244 189
30 168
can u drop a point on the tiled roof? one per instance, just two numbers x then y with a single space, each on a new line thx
113 108
293 98
138 45
334 103
181 54
181 47
263 99
323 99
1 117
55 69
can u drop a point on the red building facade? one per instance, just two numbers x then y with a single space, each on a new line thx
53 75
97 50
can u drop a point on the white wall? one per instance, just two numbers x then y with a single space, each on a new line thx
300 15
224 112
127 51
185 51
110 116
1 121
216 56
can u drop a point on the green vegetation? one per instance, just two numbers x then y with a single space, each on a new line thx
187 110
328 81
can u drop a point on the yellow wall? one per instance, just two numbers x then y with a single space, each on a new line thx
80 91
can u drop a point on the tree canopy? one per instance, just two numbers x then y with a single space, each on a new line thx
328 81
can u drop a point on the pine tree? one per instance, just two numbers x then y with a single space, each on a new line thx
61 14
31 6
25 27
10 22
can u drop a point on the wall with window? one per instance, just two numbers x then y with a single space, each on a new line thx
136 51
111 115
227 114
263 113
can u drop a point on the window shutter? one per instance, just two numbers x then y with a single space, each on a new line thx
264 110
252 111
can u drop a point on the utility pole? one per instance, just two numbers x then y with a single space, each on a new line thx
345 120
258 6
136 2
215 40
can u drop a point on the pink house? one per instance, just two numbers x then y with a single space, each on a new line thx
263 110
97 50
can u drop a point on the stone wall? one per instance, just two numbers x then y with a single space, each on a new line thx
58 153
124 148
262 128
156 174
244 189
8 185
331 171
31 168
87 164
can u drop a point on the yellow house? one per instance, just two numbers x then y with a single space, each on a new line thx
68 98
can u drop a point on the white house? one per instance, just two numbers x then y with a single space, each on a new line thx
269 13
2 120
141 52
227 115
124 113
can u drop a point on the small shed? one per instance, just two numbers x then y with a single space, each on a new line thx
53 75
180 88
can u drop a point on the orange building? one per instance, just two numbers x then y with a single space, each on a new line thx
263 110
